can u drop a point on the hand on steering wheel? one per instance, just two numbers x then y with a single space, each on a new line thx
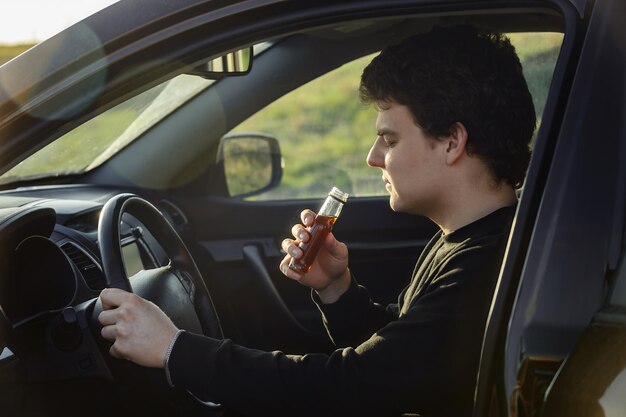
142 329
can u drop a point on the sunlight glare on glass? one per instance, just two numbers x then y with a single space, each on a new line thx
32 21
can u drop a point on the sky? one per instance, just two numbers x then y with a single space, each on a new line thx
27 21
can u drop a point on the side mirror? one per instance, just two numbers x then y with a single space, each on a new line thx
252 163
237 62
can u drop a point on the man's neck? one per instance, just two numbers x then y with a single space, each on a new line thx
466 209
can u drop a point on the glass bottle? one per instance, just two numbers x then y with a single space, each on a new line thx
322 225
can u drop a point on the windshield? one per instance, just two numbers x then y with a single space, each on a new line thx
98 139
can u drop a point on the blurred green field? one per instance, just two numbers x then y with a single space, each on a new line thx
538 54
8 52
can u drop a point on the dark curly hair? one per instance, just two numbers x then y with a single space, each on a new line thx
460 74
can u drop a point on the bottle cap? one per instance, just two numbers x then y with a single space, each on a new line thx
337 194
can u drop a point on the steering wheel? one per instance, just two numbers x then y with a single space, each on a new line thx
177 288
62 347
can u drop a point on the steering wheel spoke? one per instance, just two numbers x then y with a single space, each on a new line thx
164 287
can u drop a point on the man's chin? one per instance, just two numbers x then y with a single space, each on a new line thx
394 204
400 207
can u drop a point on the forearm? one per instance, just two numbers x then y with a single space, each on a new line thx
251 381
353 317
254 382
382 376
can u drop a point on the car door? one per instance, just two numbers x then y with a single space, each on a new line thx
598 359
562 308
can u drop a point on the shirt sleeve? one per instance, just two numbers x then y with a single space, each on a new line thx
354 317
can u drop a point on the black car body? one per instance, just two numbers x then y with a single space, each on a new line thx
555 342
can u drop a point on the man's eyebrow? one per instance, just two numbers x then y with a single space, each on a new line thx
385 131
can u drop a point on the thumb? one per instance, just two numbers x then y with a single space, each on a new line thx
334 247
112 297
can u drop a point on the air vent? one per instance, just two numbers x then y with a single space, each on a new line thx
88 268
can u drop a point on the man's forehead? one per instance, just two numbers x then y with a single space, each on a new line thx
392 115
384 104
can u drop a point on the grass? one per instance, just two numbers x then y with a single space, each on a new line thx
8 52
75 150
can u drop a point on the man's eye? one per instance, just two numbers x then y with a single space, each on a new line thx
389 142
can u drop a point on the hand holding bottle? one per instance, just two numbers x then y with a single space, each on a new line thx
328 274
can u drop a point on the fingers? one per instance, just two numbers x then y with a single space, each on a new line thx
107 317
119 323
292 251
307 216
137 328
113 301
291 248
113 297
288 272
109 332
115 349
117 308
300 233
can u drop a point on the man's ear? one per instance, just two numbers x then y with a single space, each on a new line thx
456 143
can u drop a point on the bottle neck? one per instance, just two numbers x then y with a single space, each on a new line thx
331 207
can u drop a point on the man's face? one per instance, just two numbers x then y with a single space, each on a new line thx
412 164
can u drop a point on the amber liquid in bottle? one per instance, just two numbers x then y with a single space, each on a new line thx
322 225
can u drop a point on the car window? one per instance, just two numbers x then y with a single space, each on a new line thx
325 132
96 140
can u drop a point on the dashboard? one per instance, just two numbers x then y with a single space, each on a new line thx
49 235
52 264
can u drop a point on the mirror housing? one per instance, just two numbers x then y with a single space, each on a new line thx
252 163
238 62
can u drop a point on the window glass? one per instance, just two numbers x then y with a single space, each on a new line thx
325 132
97 140
538 53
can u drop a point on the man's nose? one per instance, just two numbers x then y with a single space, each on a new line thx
375 157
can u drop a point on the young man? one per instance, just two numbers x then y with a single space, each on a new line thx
455 119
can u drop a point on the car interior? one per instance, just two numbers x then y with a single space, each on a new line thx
166 177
